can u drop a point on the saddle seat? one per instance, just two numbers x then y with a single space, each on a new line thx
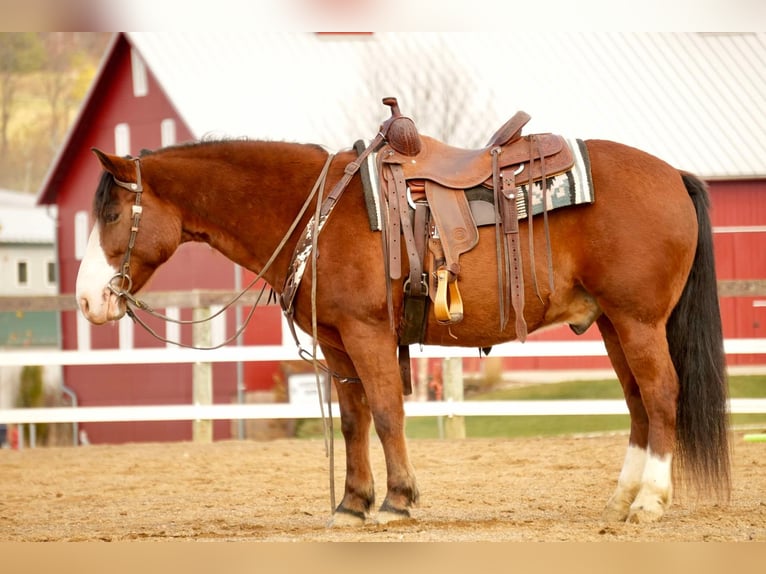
459 168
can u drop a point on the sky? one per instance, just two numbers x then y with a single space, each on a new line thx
384 15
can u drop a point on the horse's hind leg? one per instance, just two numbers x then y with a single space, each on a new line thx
629 481
359 492
639 353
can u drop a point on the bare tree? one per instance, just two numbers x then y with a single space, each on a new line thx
433 84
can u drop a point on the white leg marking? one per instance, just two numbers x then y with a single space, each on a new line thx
97 303
657 472
628 484
633 467
656 490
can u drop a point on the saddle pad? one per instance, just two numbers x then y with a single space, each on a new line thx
369 176
573 187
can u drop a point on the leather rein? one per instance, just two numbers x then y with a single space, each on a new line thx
121 284
125 283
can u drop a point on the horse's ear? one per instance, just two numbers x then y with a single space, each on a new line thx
121 168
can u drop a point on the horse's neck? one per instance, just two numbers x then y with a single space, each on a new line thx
242 200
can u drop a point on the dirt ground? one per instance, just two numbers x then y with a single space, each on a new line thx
546 489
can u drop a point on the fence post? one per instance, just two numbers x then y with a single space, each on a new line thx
202 376
454 426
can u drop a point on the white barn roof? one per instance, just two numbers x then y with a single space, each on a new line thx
695 100
22 222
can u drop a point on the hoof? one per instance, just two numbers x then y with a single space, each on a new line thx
388 514
644 514
342 518
649 506
614 514
618 507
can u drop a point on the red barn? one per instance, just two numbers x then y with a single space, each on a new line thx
126 110
652 91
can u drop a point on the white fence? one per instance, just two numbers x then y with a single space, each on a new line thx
303 411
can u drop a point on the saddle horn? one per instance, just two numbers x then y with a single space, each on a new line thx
400 131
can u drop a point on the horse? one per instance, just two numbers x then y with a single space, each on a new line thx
637 262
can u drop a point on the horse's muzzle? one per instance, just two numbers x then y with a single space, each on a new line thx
99 310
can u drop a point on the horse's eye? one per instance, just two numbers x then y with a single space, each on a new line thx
111 217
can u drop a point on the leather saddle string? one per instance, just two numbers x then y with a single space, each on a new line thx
384 181
530 203
499 243
548 253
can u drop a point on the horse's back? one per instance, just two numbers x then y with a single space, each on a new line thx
635 243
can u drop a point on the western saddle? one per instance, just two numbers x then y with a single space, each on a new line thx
431 177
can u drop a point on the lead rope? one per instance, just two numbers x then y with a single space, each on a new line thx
135 303
327 424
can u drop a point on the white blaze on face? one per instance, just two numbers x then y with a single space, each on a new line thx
96 301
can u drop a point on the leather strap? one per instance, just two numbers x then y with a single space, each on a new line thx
316 224
511 231
394 224
499 244
399 194
405 369
530 217
548 254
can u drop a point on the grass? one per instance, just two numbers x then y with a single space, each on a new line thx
510 426
526 426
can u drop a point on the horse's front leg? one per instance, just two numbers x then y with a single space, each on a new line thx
373 351
359 491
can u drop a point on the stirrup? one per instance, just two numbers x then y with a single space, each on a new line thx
448 304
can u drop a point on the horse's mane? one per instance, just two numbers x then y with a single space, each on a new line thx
212 140
105 191
104 196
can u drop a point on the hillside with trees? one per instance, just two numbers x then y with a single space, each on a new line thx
44 77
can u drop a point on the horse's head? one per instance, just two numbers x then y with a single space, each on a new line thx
134 233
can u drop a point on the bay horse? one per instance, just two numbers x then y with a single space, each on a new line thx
638 262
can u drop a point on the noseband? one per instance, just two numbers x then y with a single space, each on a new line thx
122 283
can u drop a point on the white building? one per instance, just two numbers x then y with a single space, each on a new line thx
27 254
27 267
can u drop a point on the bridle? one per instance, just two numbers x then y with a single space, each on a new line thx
123 275
121 284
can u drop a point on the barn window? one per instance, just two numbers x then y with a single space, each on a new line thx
22 273
168 132
122 139
50 272
80 234
140 80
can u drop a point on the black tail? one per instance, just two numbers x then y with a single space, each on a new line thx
696 345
